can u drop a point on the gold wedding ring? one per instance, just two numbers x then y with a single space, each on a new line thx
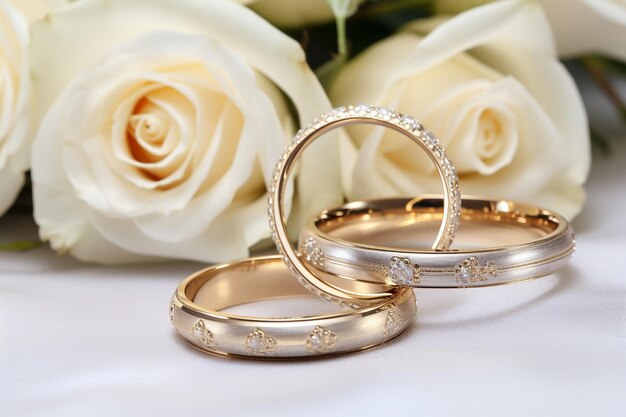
343 116
339 242
197 313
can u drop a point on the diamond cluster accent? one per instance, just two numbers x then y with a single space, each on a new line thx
394 321
260 343
470 271
172 313
202 334
320 340
401 271
312 253
391 118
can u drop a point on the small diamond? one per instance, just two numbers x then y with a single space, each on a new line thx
338 111
320 340
172 313
393 322
465 273
259 343
470 271
362 108
255 343
429 139
310 245
409 121
313 254
202 334
401 271
384 113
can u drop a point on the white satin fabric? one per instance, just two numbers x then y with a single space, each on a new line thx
84 340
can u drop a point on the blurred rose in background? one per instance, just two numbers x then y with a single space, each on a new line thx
161 126
15 98
488 83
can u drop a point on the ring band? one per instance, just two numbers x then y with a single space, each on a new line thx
196 313
549 242
342 116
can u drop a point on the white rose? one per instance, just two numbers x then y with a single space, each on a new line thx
15 93
488 83
31 9
588 26
15 98
163 143
580 26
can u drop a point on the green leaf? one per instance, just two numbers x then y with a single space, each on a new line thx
600 143
385 7
20 246
612 65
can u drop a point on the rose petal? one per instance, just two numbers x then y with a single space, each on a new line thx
15 92
588 26
264 47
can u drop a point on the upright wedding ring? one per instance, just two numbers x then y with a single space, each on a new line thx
343 116
547 243
196 311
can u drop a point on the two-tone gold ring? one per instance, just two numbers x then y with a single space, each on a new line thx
197 312
519 242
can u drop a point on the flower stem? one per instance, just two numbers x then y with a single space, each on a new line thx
342 40
327 72
596 69
20 246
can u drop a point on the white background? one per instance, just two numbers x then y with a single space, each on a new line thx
80 339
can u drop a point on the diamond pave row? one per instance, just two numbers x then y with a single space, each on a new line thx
389 118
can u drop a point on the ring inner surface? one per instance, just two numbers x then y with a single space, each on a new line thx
483 224
247 282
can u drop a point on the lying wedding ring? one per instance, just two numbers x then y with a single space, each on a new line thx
547 244
338 117
196 311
